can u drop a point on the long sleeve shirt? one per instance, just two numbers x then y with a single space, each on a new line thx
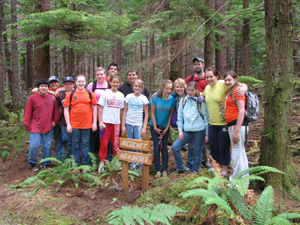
40 113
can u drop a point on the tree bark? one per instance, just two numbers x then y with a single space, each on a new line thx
221 56
2 66
151 78
296 42
176 44
119 53
42 54
279 75
246 41
209 39
29 65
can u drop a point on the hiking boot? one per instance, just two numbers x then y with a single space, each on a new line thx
33 167
101 165
224 173
186 169
164 174
158 174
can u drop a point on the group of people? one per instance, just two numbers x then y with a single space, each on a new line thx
203 107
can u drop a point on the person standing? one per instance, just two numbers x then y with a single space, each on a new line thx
41 114
80 109
66 137
127 88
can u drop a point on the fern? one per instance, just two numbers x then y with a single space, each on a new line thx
263 210
93 161
126 215
283 218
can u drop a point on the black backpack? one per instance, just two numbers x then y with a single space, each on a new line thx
95 86
72 93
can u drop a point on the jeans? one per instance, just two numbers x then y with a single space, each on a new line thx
37 140
134 132
157 150
196 140
59 150
95 142
81 143
67 141
219 144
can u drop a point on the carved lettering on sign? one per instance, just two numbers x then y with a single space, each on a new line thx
135 157
135 144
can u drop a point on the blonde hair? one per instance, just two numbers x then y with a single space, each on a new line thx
80 75
139 82
100 69
163 86
181 82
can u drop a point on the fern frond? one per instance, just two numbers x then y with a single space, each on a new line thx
52 159
289 216
237 201
93 178
199 182
93 161
26 182
194 193
264 207
217 182
278 221
163 213
258 170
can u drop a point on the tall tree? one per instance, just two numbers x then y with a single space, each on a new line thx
2 66
221 54
246 40
41 45
14 78
209 39
276 137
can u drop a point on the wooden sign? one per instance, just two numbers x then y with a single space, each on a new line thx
144 158
135 144
135 157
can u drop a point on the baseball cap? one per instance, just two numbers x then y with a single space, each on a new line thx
53 78
198 59
69 79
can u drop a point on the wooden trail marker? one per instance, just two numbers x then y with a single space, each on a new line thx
127 156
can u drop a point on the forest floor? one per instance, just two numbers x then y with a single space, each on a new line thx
84 205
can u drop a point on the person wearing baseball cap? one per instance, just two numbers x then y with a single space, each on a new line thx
198 76
66 137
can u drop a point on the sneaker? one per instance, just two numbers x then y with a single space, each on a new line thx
207 164
186 169
224 173
100 169
33 167
210 169
133 167
164 174
158 174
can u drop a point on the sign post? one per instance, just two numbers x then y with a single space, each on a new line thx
128 156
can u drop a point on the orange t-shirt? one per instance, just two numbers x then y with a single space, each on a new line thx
232 111
81 112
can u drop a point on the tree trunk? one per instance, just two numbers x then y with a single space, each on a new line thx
64 63
29 65
296 42
2 66
42 54
276 137
151 77
176 44
221 56
14 79
119 53
209 39
140 57
246 41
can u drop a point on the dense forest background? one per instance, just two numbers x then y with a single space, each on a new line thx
159 38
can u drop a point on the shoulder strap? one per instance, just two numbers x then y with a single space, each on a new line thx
192 77
71 96
94 85
90 94
198 106
183 102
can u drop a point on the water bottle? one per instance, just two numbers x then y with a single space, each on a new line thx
101 132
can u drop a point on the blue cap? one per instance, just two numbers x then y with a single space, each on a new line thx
198 59
53 78
69 79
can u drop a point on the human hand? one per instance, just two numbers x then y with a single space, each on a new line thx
181 136
200 99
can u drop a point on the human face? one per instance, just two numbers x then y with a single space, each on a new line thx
53 85
168 90
131 76
179 89
113 70
137 88
80 83
198 66
230 81
115 83
69 86
191 91
210 78
43 89
100 76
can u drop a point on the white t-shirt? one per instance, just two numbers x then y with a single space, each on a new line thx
112 102
135 110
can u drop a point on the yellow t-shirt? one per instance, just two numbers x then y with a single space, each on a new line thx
215 101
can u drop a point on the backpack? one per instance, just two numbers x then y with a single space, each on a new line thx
251 106
198 106
95 86
72 93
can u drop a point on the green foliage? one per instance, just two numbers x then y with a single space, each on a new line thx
126 215
263 210
63 173
4 155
